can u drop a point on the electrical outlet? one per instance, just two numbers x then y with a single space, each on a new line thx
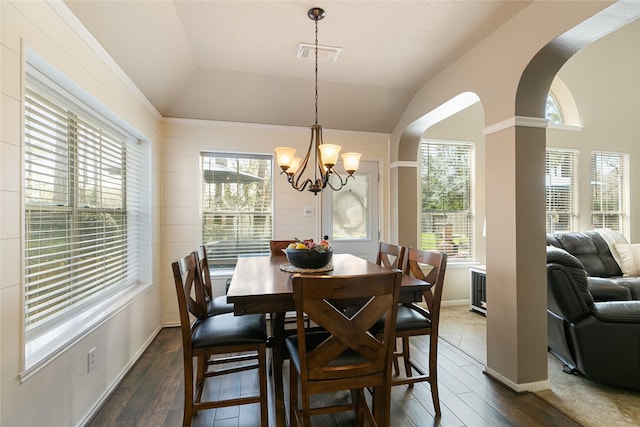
91 359
308 211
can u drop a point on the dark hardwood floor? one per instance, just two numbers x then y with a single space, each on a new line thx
151 394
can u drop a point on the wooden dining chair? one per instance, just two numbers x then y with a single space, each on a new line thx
415 320
276 246
218 339
390 255
345 355
215 304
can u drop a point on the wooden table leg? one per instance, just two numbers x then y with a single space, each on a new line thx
277 332
381 403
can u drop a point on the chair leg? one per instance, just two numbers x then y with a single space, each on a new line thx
407 358
293 395
434 396
357 407
364 417
201 370
188 392
433 372
306 407
396 366
262 375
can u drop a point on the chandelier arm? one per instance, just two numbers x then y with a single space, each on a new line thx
303 165
334 188
302 187
319 168
319 165
316 136
343 182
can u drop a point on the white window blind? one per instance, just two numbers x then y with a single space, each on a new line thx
609 190
561 173
86 206
237 206
446 184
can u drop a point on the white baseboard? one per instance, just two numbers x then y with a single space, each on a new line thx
518 388
455 302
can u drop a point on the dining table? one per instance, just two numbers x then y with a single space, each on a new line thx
260 284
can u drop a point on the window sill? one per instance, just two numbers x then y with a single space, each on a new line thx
462 264
565 127
42 349
221 273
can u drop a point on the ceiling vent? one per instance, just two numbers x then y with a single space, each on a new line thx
325 53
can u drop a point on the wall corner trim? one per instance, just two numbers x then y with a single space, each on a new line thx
521 121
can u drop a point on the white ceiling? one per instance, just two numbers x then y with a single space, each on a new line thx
236 60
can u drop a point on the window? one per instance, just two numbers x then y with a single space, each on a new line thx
85 207
552 111
446 223
562 189
609 190
237 207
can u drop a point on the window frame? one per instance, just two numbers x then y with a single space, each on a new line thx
44 341
622 210
573 198
222 256
465 239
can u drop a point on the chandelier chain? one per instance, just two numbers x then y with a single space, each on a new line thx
316 70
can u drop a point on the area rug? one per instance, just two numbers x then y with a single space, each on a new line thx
589 403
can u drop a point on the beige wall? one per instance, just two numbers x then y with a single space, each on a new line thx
182 143
603 79
62 393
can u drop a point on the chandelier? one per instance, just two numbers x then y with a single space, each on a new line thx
325 155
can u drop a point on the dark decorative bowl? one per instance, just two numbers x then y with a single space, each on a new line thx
308 258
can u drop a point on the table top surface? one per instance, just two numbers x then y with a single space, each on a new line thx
262 276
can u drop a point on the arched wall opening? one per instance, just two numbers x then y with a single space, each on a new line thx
512 86
459 120
407 164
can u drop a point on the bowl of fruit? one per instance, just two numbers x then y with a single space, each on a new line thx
309 255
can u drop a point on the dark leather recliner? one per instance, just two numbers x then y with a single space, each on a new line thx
599 339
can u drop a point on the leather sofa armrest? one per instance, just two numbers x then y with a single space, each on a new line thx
564 297
617 311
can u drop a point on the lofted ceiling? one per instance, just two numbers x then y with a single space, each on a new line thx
236 60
